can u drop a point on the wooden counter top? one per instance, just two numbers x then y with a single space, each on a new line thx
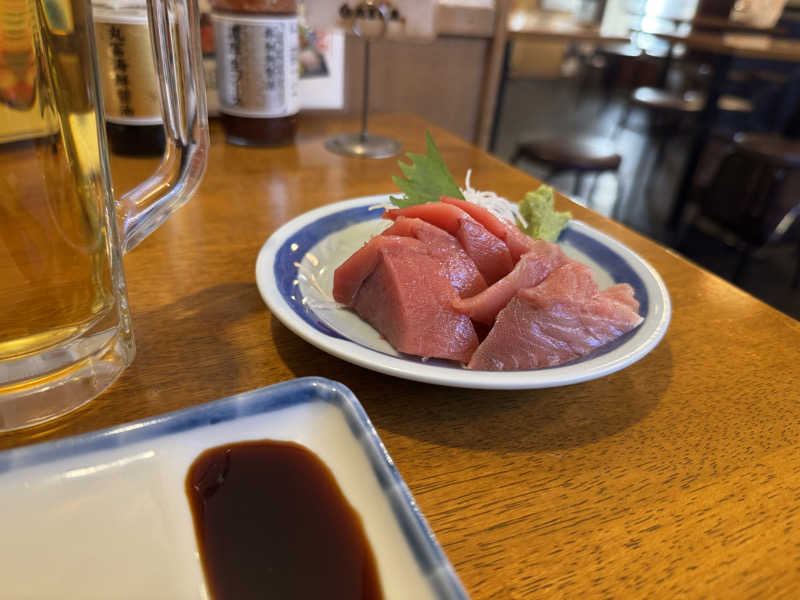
676 477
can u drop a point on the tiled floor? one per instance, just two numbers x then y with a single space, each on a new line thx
544 107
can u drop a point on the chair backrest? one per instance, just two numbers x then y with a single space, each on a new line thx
745 197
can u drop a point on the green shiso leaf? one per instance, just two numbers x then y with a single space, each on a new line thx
544 221
427 178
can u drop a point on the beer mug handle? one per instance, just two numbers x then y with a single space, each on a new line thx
175 32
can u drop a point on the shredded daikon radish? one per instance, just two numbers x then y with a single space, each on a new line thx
497 205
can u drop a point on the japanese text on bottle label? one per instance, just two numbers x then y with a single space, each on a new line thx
257 72
127 72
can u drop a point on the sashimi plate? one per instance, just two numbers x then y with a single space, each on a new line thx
294 272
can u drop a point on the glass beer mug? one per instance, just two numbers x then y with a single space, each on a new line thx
65 328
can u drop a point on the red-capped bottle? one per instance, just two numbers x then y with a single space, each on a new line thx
256 45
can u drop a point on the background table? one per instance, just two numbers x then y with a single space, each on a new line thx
679 475
723 48
543 27
740 45
707 22
558 27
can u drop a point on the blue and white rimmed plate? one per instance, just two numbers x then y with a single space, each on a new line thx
105 515
294 272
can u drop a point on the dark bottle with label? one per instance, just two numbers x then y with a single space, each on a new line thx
131 100
256 45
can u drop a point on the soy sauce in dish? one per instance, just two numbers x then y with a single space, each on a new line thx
271 522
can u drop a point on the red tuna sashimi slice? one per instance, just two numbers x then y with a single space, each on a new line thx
489 252
623 293
351 274
530 270
574 282
456 265
563 318
408 300
518 243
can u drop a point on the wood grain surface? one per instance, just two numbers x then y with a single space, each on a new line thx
708 22
558 27
676 477
742 45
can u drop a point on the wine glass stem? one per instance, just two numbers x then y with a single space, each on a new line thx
365 98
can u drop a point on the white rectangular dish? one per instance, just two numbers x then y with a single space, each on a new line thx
105 515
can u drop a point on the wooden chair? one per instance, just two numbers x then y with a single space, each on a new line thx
744 199
580 154
615 65
671 106
670 110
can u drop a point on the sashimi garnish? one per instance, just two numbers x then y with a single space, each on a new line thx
427 179
497 205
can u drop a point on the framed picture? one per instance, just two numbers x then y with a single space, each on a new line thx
321 69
